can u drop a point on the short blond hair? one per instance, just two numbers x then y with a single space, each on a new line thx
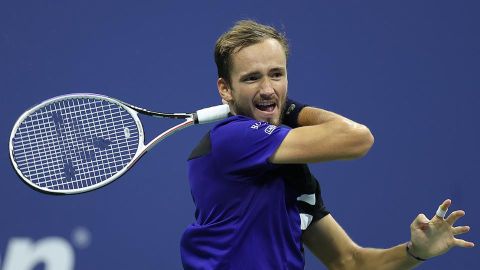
243 34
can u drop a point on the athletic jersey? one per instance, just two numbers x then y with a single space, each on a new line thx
246 216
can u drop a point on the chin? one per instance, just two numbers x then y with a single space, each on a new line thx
273 120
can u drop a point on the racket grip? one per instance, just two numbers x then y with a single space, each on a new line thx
211 114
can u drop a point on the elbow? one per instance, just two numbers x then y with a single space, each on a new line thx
361 140
366 141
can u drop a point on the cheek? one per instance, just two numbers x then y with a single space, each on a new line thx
282 84
243 94
282 89
244 101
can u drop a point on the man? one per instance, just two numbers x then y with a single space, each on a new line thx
247 192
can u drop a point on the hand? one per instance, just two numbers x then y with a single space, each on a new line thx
434 237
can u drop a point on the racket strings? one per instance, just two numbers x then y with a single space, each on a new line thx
75 143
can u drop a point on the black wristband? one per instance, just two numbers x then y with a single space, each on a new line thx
290 113
409 244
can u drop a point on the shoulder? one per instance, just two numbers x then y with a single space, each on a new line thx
240 143
242 127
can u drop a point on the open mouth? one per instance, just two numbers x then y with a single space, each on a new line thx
266 106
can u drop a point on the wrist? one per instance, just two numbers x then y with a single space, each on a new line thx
411 252
290 113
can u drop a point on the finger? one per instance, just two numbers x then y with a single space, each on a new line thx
454 216
463 243
460 229
443 208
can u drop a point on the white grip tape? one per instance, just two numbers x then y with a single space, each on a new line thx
212 114
440 212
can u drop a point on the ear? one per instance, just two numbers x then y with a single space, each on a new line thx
224 90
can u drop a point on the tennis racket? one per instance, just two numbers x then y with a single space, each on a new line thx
80 142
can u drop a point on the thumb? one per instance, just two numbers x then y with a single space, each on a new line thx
421 222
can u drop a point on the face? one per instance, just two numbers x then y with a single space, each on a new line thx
258 86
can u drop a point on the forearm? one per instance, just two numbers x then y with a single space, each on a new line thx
310 116
395 258
330 243
296 114
318 135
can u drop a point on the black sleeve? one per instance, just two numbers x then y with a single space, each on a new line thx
299 178
318 211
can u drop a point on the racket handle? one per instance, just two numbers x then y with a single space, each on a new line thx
211 114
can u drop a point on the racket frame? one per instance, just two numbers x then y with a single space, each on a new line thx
142 148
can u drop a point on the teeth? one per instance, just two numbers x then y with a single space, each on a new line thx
265 106
265 103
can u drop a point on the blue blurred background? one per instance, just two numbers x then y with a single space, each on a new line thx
409 70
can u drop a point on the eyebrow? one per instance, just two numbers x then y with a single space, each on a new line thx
253 73
282 69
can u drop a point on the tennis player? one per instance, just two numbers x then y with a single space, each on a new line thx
252 192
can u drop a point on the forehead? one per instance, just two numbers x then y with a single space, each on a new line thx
265 55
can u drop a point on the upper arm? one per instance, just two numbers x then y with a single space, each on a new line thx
327 240
333 140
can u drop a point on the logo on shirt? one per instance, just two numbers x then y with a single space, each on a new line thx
256 125
270 129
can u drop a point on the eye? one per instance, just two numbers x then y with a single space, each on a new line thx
251 78
277 75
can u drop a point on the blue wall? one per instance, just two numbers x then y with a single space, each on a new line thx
409 70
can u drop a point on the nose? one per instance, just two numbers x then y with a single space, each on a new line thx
266 89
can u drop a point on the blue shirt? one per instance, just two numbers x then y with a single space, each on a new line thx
246 218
